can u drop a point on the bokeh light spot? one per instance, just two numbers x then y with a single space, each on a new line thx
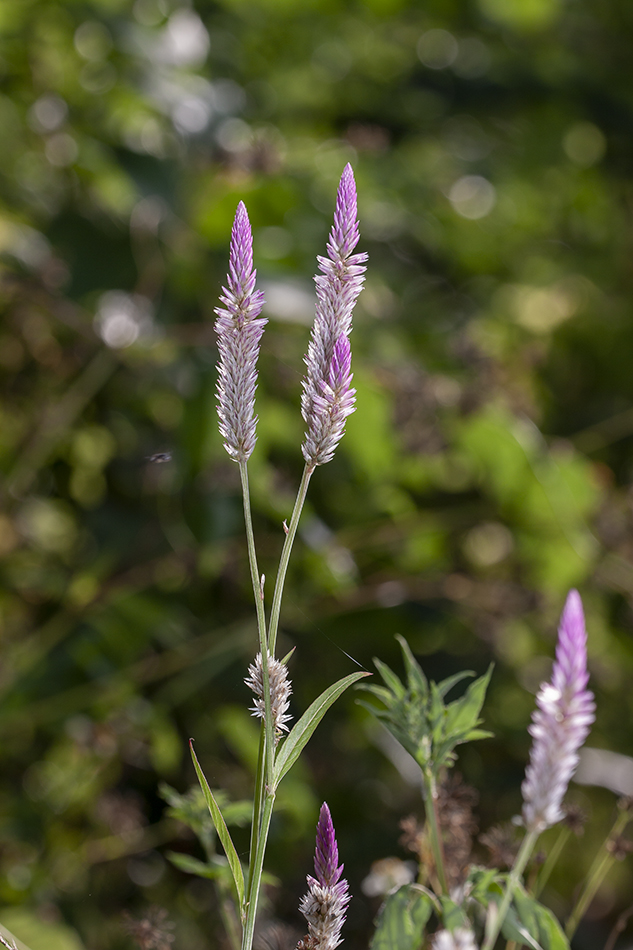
472 196
584 144
437 49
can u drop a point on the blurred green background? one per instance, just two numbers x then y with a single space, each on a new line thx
487 469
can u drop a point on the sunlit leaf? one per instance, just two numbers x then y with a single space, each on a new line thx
295 742
222 830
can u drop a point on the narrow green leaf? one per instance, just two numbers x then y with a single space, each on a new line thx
446 685
463 714
417 679
390 679
285 660
476 734
381 693
295 742
436 714
222 830
402 918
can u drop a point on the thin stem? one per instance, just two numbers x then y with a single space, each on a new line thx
261 627
593 882
285 557
618 927
597 872
433 825
522 858
257 808
258 866
550 862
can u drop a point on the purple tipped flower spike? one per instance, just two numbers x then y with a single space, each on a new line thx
325 904
560 724
327 394
239 328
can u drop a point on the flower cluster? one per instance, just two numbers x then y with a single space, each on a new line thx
327 394
325 905
560 724
280 690
239 328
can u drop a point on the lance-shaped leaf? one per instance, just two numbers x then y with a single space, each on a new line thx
222 830
418 684
295 742
402 919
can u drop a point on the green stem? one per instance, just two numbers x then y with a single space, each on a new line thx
261 627
257 808
522 858
601 866
550 862
258 866
594 880
285 556
433 826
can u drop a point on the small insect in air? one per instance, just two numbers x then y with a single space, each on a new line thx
160 457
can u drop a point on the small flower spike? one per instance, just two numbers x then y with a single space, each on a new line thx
325 904
239 328
560 724
280 690
327 394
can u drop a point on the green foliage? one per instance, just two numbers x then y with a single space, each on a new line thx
192 810
527 921
402 919
418 717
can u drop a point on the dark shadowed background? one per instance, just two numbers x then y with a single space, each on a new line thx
486 471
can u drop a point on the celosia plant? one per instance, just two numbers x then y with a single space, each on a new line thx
328 399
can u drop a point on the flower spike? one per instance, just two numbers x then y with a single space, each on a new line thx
325 904
560 724
280 691
327 394
239 328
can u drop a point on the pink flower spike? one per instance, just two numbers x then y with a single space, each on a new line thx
560 724
239 328
325 905
327 397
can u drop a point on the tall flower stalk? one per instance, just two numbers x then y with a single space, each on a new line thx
328 400
560 724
